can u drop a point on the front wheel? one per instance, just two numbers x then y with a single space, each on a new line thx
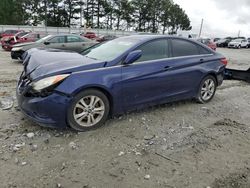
88 110
207 89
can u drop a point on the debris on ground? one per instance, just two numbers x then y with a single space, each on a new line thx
6 103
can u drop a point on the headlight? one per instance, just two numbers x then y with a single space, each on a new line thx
16 49
49 81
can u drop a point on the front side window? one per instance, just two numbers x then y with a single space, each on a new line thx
184 48
59 39
154 50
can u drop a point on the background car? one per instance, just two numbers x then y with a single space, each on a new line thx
63 41
8 43
216 39
17 35
208 42
104 38
248 43
238 43
89 35
223 42
8 33
61 89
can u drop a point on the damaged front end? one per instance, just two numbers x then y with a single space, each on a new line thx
233 74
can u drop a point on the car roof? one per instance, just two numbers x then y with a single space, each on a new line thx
150 37
66 34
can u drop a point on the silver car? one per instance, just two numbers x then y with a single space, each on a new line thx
63 42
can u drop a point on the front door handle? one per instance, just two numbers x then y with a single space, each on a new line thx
166 68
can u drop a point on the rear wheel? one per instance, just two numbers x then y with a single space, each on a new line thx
239 47
207 89
88 110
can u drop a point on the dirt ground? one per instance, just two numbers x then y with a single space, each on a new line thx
181 144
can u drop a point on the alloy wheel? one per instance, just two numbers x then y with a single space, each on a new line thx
208 89
89 111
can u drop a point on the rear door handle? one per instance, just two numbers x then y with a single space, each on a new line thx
201 60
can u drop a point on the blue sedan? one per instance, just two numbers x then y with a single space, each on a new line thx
60 89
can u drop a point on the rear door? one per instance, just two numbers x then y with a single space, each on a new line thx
74 43
77 43
244 43
187 59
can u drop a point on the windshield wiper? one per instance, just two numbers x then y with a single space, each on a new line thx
91 57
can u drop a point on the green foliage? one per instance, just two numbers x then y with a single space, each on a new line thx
140 15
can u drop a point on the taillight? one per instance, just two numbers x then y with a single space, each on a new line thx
224 61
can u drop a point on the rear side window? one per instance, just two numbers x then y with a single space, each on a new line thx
154 50
204 50
59 39
184 48
74 39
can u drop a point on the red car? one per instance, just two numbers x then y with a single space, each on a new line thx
17 35
209 43
19 38
90 35
104 38
9 33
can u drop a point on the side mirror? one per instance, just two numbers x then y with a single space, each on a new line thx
132 57
46 43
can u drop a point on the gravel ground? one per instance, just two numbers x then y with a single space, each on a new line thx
182 144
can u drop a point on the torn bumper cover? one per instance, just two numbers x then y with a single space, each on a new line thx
232 74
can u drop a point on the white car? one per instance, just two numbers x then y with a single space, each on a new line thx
238 43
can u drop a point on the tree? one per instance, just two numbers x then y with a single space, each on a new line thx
12 12
139 15
178 19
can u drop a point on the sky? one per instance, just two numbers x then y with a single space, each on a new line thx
222 18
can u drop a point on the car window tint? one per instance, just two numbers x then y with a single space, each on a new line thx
154 50
73 39
204 50
184 48
59 39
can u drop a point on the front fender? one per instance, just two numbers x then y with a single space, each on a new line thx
107 78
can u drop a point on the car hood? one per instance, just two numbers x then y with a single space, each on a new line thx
48 62
235 43
7 38
27 44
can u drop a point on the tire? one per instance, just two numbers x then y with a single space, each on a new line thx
82 116
206 91
239 47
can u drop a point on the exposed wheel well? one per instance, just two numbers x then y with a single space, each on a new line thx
214 75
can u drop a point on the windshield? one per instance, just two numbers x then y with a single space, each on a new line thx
109 50
43 39
222 40
237 40
21 34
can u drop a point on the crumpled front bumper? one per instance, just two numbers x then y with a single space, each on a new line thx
16 54
50 111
